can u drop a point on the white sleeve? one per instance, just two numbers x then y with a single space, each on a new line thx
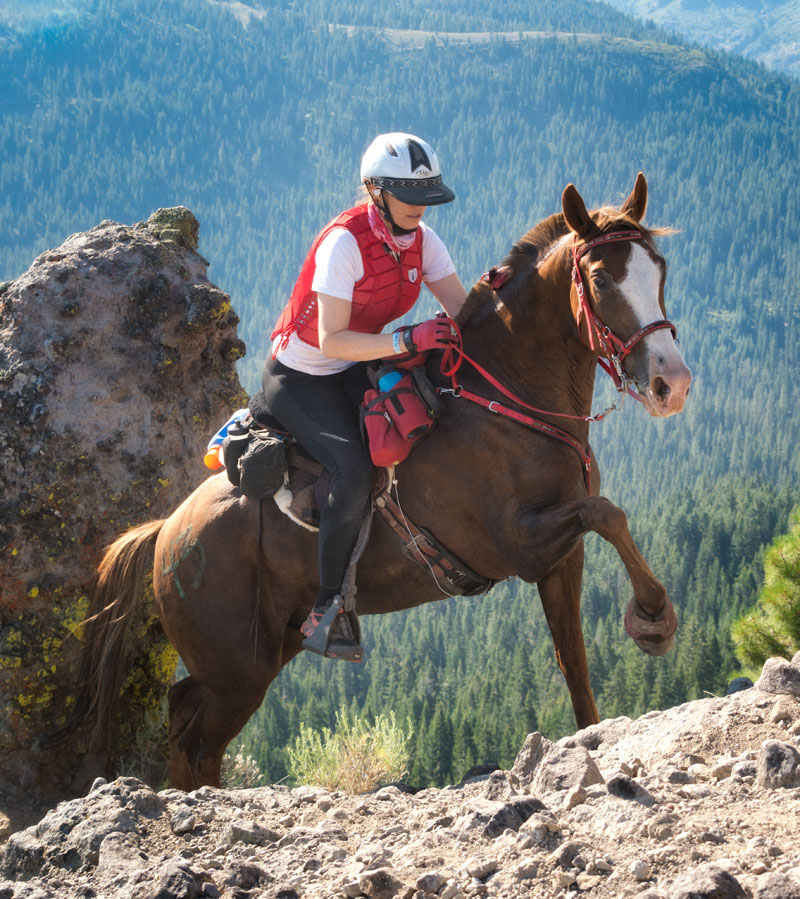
436 261
338 265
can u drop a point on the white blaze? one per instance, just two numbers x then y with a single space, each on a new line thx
640 287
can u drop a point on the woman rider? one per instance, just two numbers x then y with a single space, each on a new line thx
364 270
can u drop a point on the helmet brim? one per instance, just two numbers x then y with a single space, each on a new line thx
422 196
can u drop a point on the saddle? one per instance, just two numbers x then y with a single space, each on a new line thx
304 485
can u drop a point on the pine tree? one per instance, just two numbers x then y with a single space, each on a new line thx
440 747
772 626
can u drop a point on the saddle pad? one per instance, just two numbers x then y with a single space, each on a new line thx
308 487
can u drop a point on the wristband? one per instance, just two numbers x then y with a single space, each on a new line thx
396 343
408 341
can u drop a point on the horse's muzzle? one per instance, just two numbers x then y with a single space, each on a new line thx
668 381
666 394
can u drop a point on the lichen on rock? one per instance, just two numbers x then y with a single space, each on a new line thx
177 225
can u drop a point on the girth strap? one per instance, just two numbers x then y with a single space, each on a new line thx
454 577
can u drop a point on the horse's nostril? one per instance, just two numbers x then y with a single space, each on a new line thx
661 389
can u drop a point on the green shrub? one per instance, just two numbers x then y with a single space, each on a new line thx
356 757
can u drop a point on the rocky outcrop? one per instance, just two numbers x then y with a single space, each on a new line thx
117 361
674 805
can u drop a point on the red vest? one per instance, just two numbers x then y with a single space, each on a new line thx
386 292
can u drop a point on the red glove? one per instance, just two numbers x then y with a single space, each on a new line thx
434 334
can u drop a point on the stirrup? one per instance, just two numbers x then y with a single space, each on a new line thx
320 639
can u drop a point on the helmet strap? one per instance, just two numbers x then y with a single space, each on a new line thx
386 214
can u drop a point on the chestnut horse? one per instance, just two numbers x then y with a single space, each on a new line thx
506 498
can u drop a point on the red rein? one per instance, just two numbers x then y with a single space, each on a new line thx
612 347
451 362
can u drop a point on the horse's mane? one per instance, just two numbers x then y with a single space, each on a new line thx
532 249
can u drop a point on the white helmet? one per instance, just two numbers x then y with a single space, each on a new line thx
406 167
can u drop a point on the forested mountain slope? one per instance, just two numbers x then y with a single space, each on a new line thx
765 30
255 117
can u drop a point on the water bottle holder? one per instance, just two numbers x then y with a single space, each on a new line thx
215 452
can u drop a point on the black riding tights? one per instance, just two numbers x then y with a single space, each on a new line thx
321 413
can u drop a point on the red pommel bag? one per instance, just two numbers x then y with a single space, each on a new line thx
394 420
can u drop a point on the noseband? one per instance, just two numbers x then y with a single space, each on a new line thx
612 347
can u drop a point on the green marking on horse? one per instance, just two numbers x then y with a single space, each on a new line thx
176 552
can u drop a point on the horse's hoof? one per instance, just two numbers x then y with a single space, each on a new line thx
653 635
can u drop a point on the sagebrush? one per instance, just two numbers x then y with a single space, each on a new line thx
355 757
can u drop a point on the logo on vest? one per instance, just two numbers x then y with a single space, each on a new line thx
412 275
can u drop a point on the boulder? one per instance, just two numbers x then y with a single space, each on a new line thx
737 685
529 758
380 884
774 885
117 363
624 787
78 832
707 881
779 676
565 769
778 765
511 815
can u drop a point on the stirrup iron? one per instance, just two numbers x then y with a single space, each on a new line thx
320 641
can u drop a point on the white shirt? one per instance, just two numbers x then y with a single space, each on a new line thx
338 268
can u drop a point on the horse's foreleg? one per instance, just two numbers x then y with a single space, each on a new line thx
650 618
552 533
560 592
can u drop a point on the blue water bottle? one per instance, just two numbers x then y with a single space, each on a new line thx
389 379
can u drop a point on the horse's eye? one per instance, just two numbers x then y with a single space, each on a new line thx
599 281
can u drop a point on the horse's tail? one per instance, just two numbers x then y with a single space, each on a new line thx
118 588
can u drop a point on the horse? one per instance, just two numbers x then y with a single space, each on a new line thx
509 493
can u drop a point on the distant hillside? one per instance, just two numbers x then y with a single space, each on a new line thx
25 15
764 30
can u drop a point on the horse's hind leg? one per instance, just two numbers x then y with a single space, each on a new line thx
202 720
560 593
201 724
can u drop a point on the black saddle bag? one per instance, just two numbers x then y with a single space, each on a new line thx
255 461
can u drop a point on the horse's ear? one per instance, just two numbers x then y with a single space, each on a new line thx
636 204
575 213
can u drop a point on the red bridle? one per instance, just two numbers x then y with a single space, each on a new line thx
612 347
